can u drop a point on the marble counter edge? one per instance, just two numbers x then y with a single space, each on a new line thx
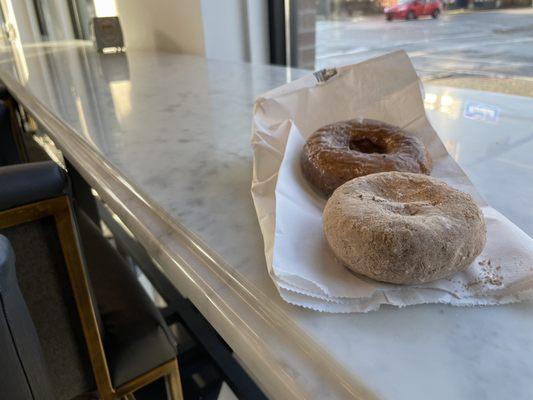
199 274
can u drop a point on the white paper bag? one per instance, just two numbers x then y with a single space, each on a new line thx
299 260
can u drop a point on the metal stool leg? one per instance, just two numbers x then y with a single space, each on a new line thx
173 384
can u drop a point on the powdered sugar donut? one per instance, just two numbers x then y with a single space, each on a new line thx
403 228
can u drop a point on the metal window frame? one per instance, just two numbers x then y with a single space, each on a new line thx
277 32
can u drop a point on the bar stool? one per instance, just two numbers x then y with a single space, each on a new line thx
84 300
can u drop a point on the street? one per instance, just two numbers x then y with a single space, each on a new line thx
496 42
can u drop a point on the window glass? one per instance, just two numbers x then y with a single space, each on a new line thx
483 37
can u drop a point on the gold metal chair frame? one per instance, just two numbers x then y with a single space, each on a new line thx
61 209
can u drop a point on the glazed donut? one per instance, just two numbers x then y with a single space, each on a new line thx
403 228
338 152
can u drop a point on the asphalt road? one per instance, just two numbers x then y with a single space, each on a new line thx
484 42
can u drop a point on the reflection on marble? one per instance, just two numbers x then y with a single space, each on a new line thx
491 136
177 129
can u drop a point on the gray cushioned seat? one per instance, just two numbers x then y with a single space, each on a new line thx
28 183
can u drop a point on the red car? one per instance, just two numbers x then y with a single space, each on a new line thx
411 9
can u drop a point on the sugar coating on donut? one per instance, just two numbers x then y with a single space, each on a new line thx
338 152
403 228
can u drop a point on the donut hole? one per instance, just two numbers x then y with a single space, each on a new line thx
366 145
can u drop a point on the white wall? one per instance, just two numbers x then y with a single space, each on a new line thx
225 29
236 30
166 25
258 31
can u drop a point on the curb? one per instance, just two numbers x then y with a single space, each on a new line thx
473 10
459 11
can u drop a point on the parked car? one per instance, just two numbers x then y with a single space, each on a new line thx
411 9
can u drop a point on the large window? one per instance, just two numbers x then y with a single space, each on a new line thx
52 20
441 36
481 37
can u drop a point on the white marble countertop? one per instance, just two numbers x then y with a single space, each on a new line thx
164 139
